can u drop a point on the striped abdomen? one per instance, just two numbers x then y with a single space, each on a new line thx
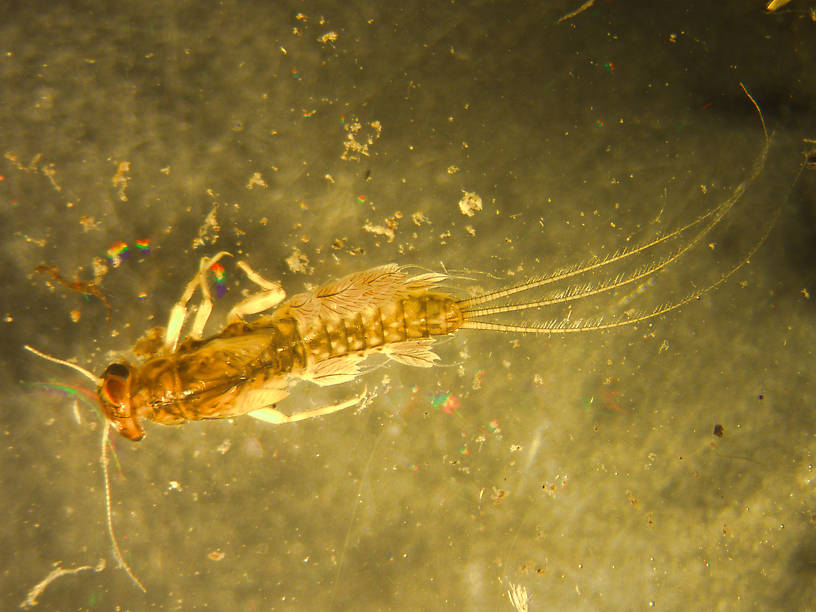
331 334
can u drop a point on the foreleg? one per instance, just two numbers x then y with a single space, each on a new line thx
178 313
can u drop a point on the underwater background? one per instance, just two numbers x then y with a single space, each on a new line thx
668 464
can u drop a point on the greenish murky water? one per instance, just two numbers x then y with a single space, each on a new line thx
334 137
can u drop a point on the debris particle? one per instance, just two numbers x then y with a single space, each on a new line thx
32 165
358 140
719 430
298 262
810 154
120 180
775 5
83 287
470 203
327 38
31 599
419 218
380 230
497 495
209 231
256 180
47 170
586 5
100 269
88 223
216 555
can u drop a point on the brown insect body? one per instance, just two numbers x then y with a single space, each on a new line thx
319 336
323 335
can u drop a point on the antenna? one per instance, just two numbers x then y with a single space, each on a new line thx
96 380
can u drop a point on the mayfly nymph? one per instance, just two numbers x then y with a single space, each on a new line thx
323 336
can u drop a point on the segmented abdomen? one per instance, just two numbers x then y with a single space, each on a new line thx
401 320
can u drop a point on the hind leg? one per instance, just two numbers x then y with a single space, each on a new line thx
271 295
270 415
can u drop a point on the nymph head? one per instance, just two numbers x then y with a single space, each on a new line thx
113 391
114 397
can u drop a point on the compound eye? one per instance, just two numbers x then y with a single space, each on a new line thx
117 369
115 386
